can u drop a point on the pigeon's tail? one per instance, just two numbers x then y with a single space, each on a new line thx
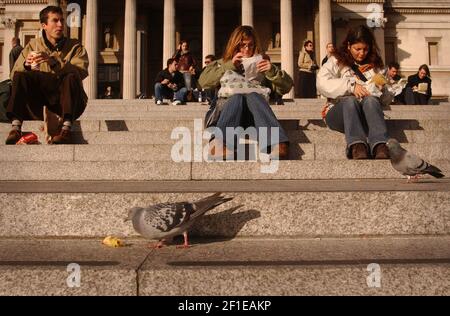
434 171
204 205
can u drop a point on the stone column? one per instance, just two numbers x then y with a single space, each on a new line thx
56 2
91 45
247 12
8 33
130 51
169 45
325 27
378 33
208 29
287 41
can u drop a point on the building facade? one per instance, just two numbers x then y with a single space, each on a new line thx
128 41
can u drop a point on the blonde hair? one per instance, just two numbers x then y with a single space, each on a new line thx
241 33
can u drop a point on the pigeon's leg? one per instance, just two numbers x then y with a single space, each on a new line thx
416 178
160 244
186 243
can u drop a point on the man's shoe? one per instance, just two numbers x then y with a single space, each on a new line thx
13 137
381 152
359 151
280 151
159 102
177 102
64 138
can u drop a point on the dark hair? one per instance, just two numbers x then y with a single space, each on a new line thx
43 15
16 40
212 57
362 34
425 67
393 64
307 42
170 61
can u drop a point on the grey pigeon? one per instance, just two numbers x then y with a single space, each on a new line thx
166 220
409 164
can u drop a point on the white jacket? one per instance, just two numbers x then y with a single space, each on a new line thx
334 81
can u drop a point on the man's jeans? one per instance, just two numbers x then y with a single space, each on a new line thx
162 91
361 121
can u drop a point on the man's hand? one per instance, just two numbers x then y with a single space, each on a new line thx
42 57
264 66
360 92
165 82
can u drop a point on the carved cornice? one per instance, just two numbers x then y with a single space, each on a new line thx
359 1
429 11
24 1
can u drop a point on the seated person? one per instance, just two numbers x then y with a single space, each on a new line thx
418 89
351 109
48 72
241 102
391 73
169 83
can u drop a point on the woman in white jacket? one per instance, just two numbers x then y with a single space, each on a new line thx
351 109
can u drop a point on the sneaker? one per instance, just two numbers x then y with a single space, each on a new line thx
159 102
359 151
280 151
381 152
64 138
177 102
13 137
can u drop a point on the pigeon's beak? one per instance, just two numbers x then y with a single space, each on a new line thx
126 220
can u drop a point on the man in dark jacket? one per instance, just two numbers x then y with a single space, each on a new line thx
169 83
15 52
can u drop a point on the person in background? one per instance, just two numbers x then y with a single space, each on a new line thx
307 71
206 94
169 84
15 52
418 89
330 51
350 108
186 64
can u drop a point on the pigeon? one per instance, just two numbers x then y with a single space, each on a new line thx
166 220
409 164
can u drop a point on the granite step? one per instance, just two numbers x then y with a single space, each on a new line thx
129 147
243 267
311 209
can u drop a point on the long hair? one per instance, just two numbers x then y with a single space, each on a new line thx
362 34
241 33
427 70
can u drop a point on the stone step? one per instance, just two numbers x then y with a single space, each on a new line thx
317 106
159 124
295 137
130 149
280 114
243 267
259 209
136 170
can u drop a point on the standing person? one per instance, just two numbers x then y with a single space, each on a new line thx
49 72
169 83
330 51
307 71
351 109
15 52
186 64
245 108
418 89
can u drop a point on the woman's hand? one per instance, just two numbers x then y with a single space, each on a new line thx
264 66
360 92
237 60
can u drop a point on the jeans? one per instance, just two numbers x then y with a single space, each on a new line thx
415 98
162 91
361 121
188 80
250 110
